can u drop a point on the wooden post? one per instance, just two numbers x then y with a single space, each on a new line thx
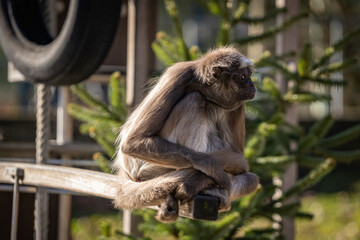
140 61
64 134
256 9
285 42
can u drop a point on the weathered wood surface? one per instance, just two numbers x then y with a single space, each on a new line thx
96 184
71 179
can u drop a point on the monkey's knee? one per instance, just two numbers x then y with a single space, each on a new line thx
168 210
243 184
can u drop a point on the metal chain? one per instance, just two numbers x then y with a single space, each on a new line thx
42 155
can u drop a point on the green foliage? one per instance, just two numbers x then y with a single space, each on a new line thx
101 121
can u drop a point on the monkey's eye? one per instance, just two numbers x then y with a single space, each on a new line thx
242 77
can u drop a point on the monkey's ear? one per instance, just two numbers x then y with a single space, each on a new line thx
215 75
217 72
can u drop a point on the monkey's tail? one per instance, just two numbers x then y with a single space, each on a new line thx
134 195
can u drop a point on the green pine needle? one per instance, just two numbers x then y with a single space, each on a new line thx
305 61
117 96
260 20
224 225
341 156
103 162
304 215
338 66
273 31
85 114
306 97
271 87
309 161
312 178
86 98
330 51
278 64
174 14
341 138
162 55
275 160
240 11
328 82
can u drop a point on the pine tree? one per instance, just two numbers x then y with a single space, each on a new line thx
269 135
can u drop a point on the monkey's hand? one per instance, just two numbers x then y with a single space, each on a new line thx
231 162
214 170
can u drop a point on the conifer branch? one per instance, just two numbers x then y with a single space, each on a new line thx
305 61
275 160
341 156
309 161
330 51
321 128
260 20
328 82
102 162
240 11
273 31
272 88
91 101
341 138
277 64
174 14
85 114
338 66
309 180
162 54
306 97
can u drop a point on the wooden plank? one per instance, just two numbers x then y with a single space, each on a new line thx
97 184
71 179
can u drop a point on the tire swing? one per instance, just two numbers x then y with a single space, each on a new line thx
68 58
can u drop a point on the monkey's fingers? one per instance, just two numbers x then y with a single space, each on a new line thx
222 179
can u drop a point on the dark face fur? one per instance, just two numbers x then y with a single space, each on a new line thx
224 78
233 85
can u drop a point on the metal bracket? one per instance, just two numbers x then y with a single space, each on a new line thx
17 174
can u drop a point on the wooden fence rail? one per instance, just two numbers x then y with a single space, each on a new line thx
66 178
94 183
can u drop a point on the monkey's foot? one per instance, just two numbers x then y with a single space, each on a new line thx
168 210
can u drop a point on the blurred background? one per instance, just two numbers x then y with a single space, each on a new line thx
334 201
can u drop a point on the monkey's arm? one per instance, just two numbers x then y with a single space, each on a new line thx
231 162
145 143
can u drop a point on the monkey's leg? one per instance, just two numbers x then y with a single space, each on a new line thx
183 183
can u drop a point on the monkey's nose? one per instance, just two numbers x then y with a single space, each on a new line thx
250 83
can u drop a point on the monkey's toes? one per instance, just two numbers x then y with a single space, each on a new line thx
168 210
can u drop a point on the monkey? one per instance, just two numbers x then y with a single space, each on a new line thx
187 136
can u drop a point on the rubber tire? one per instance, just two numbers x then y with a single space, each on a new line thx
77 51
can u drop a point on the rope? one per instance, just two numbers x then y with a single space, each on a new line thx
42 155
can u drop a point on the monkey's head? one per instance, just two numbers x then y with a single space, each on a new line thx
225 76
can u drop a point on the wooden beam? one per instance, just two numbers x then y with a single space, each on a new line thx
96 184
66 178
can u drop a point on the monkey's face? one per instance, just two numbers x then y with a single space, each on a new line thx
233 85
